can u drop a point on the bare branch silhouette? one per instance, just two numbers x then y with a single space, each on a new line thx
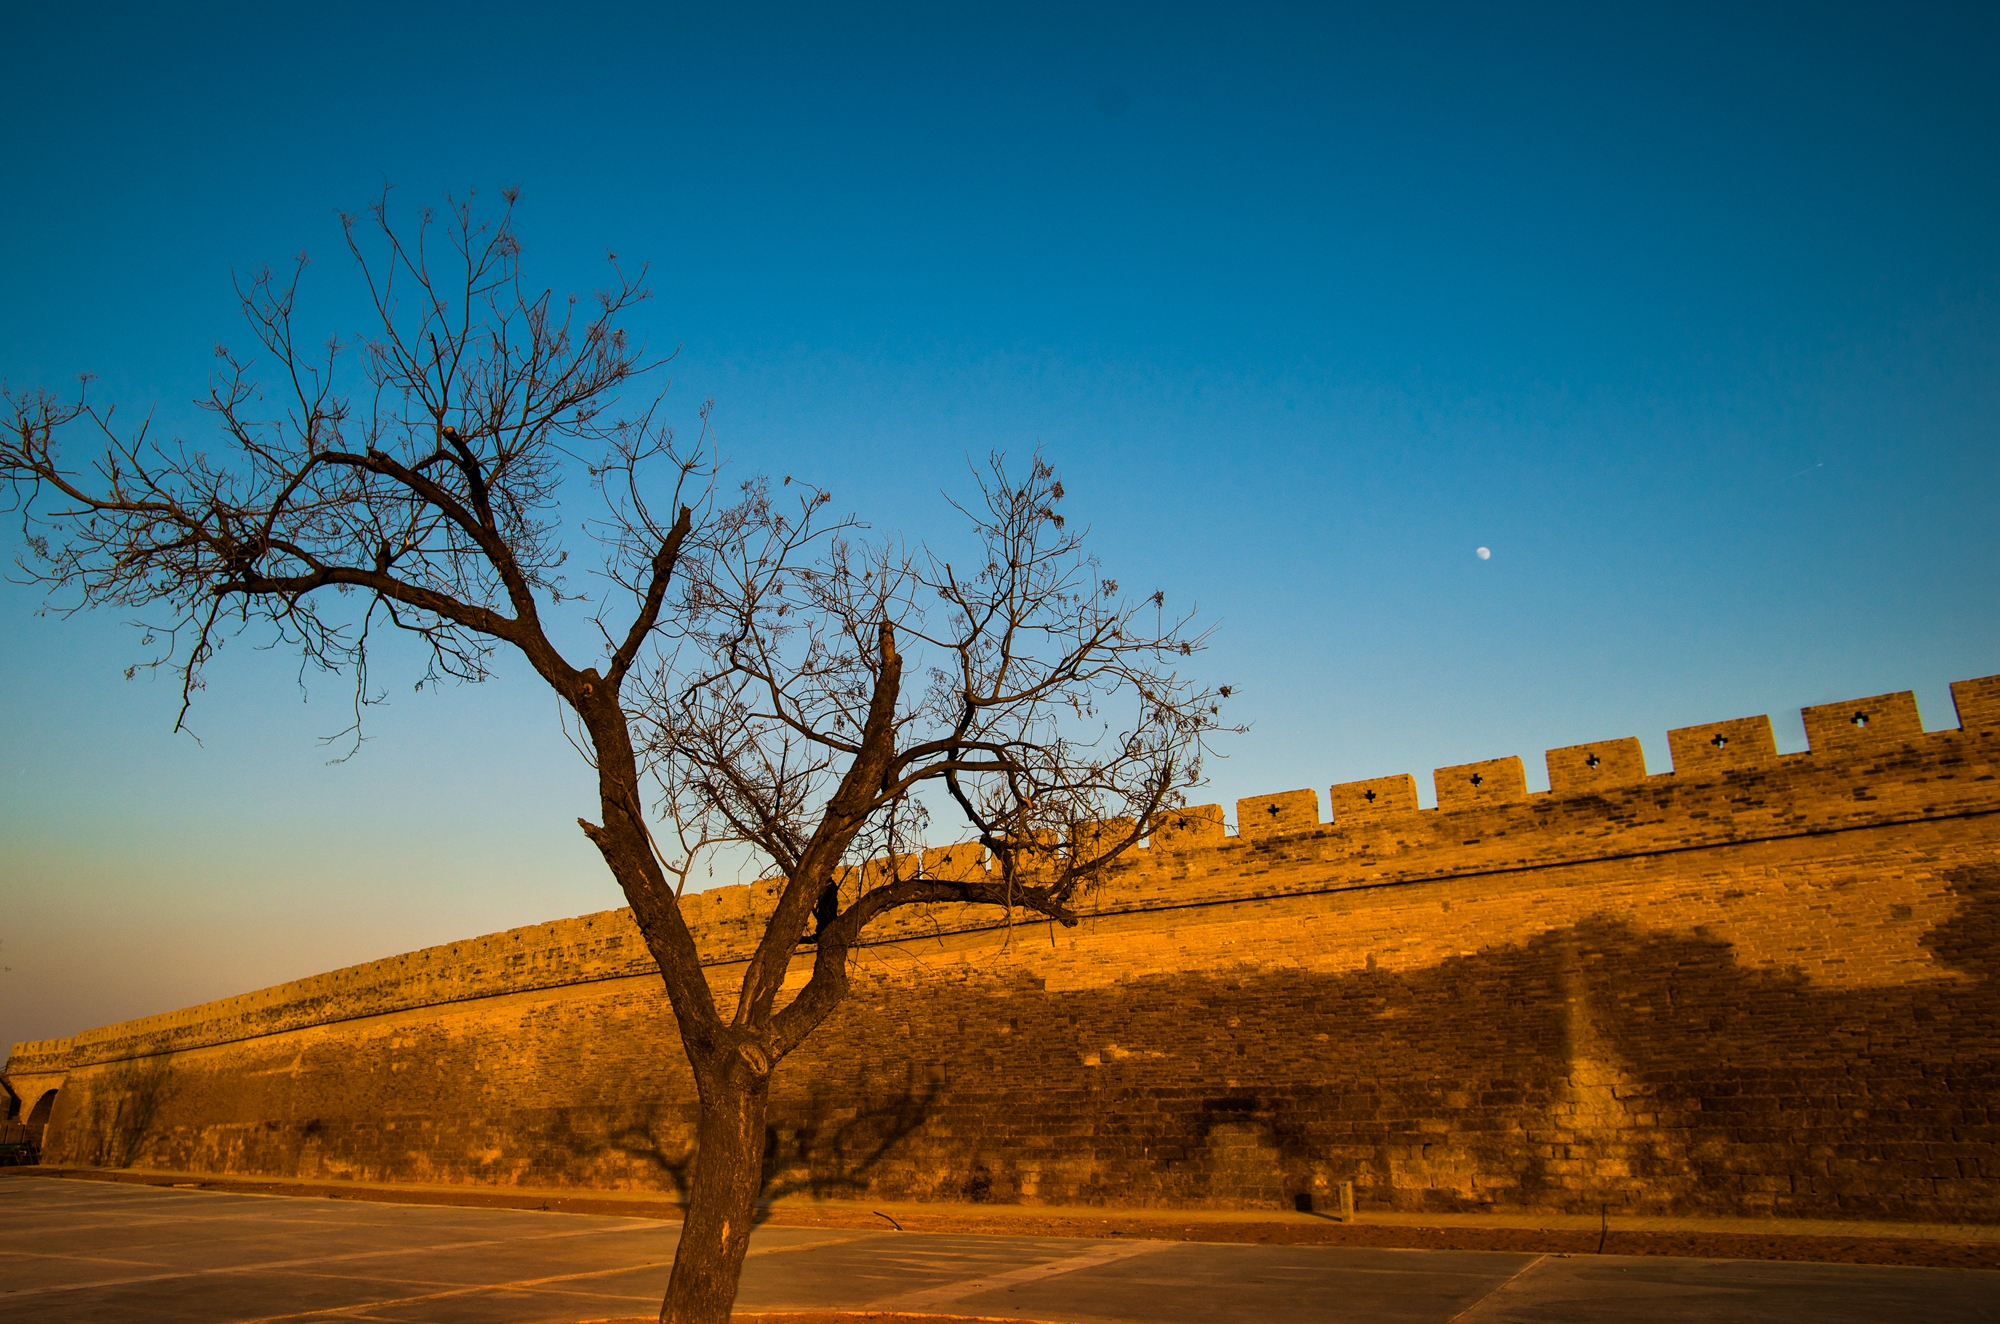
774 681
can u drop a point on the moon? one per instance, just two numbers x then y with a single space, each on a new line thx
1484 554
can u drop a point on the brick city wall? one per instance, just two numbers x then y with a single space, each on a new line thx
1760 983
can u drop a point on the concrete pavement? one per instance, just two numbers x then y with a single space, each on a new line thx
101 1253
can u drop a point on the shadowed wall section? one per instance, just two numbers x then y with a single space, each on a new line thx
1760 983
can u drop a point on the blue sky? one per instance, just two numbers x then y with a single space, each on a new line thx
1690 317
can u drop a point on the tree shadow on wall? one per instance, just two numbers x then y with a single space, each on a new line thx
829 1151
1965 942
1600 1062
125 1104
656 1138
825 1146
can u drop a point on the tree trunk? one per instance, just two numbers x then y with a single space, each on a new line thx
722 1199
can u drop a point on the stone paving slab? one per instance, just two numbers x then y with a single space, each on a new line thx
1276 1284
653 1202
1643 1290
99 1253
1935 1245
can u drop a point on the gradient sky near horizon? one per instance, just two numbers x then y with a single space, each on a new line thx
1690 317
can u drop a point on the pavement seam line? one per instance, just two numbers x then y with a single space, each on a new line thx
80 1259
269 1265
815 1245
1109 1253
166 1221
1498 1288
518 1285
525 1284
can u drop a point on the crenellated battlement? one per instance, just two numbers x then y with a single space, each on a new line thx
1754 983
1870 761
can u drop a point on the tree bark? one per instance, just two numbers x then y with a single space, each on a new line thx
722 1198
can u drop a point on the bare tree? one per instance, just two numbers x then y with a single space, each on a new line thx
825 684
770 680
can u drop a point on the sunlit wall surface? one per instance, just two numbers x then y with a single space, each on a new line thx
1690 320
